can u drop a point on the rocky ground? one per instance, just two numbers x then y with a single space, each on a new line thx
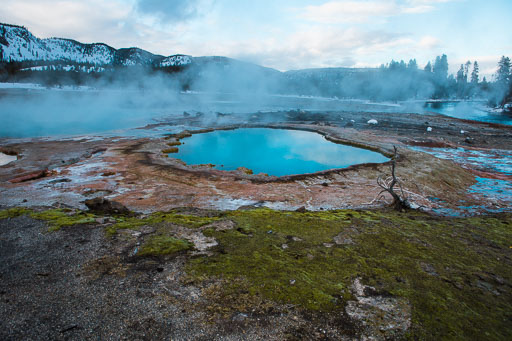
136 173
201 271
253 275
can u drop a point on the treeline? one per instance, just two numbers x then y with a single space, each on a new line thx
434 78
395 81
64 72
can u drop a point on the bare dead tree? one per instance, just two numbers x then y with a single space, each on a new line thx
388 184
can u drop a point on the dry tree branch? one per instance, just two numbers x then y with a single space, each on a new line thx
400 201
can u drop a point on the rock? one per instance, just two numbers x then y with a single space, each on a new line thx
108 174
244 170
343 240
429 129
381 316
345 237
103 205
428 268
239 317
100 220
30 176
222 225
56 181
372 121
301 209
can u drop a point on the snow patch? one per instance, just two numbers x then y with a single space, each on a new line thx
176 60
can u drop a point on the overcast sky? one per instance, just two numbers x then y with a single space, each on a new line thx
284 34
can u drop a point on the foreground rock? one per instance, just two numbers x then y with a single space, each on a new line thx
102 205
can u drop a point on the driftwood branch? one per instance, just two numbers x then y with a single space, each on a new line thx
388 186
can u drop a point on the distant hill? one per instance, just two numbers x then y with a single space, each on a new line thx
59 61
17 44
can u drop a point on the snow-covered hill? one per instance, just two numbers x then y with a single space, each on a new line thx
18 44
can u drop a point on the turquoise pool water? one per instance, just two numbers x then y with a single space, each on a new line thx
273 151
476 111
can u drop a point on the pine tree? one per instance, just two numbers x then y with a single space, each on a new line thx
460 75
428 67
441 67
440 72
474 74
466 70
413 65
504 81
503 73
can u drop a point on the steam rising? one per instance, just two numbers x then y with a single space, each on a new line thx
135 96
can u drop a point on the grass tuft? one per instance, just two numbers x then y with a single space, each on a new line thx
160 245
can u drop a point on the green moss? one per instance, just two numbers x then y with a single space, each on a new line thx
456 273
163 245
170 150
56 218
59 218
13 212
174 143
133 223
182 135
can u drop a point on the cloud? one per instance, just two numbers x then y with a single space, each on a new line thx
114 22
319 46
347 11
91 21
429 42
172 11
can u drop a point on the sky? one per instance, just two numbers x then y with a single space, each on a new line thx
284 34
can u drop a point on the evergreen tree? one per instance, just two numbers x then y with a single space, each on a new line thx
428 67
460 75
413 65
461 79
441 67
503 74
440 71
503 81
466 70
484 85
394 65
474 74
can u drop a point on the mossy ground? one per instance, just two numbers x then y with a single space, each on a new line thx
456 273
171 150
163 245
56 218
133 223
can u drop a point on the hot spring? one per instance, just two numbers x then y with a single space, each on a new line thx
275 152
